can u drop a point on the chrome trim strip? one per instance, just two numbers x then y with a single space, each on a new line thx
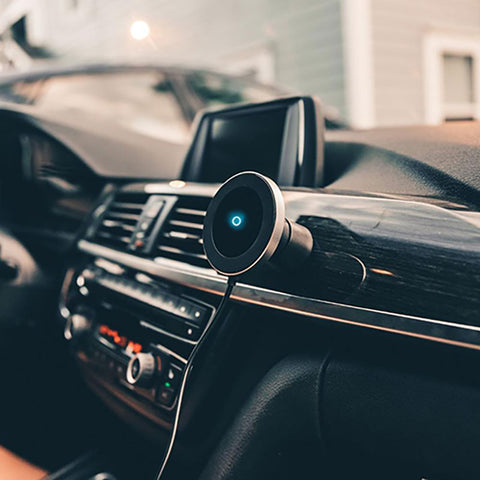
301 132
179 251
174 188
167 351
188 275
209 281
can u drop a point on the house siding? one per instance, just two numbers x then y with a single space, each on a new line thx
398 30
304 36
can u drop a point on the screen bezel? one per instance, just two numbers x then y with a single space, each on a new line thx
301 153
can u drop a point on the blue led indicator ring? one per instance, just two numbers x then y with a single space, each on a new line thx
236 220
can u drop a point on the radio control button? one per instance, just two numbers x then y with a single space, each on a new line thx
190 311
182 308
172 377
191 331
141 369
166 396
76 326
198 314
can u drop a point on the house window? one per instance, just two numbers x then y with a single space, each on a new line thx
458 87
451 72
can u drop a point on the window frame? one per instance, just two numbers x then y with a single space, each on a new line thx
436 45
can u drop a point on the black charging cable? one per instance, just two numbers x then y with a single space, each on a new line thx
266 235
203 341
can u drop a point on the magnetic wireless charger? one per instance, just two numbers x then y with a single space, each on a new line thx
245 227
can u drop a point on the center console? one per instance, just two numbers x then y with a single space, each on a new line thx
132 307
132 333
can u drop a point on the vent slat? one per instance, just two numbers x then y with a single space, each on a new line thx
126 206
181 223
181 235
124 216
191 211
111 236
115 224
120 220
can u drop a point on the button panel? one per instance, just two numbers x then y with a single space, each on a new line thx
164 389
184 317
133 313
166 396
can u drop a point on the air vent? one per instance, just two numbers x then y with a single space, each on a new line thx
181 235
118 223
52 161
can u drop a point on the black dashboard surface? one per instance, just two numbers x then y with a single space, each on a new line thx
417 160
111 152
438 161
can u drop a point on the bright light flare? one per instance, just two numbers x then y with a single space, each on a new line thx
139 30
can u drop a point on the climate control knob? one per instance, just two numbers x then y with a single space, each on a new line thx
76 326
141 369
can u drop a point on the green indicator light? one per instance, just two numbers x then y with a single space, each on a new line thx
167 384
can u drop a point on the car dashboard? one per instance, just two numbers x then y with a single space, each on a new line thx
366 351
381 264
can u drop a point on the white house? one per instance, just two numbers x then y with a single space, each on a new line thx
377 62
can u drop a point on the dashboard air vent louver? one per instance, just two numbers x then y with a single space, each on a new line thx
181 235
52 162
118 223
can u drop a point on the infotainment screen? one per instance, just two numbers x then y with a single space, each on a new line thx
282 139
246 141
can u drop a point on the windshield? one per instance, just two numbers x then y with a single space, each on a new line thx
371 62
143 100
